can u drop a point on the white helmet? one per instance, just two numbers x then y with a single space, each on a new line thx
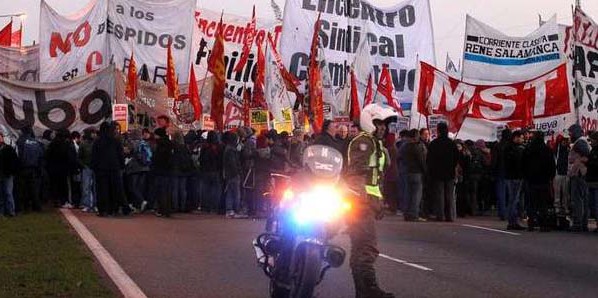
376 111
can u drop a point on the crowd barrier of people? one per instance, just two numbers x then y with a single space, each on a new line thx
164 171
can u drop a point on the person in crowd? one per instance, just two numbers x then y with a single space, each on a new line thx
279 149
193 143
88 189
9 167
499 172
163 121
578 157
61 160
162 172
425 137
263 168
183 169
401 170
47 137
539 169
442 160
108 163
592 175
477 169
353 130
31 161
485 188
514 178
232 174
138 160
327 138
75 178
561 181
390 189
297 147
210 161
343 139
462 179
414 156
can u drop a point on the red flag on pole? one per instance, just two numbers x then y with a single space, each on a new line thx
6 35
216 67
246 106
369 92
385 87
355 108
260 78
247 42
194 95
17 37
171 82
131 88
315 81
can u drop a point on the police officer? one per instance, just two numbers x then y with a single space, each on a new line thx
366 163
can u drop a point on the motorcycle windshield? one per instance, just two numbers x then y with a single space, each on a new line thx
323 161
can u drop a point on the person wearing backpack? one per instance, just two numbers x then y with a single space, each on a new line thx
31 160
8 168
136 168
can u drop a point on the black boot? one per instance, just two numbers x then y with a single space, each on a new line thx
367 287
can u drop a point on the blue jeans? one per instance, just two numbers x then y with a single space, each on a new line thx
179 193
501 197
88 194
233 194
579 202
414 198
7 200
514 189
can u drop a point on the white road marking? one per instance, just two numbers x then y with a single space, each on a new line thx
125 284
492 230
420 267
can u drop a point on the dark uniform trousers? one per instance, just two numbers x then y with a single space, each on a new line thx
362 232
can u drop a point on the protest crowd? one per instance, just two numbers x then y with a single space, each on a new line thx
165 171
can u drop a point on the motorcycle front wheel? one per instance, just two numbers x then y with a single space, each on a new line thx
305 277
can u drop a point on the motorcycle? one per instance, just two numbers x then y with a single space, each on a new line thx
294 251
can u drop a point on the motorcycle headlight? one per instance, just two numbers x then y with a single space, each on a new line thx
320 204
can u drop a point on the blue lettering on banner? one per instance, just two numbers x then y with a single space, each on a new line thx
511 61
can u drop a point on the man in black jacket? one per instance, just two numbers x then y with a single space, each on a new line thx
327 137
415 165
9 165
442 160
108 163
514 176
162 170
539 170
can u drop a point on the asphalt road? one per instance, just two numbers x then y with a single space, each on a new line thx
208 256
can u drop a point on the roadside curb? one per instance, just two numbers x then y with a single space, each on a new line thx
125 284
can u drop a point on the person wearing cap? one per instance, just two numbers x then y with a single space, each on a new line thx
8 169
578 157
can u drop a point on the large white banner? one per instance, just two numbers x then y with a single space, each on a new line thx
72 46
490 55
397 36
586 70
235 29
147 28
21 64
74 105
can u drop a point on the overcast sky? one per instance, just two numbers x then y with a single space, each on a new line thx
514 17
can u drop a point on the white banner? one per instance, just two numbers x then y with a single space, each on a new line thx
586 70
235 28
72 46
397 35
74 105
21 64
275 91
490 55
147 28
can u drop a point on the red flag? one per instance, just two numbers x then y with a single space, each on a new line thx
260 79
369 92
355 109
194 95
6 35
457 116
291 82
131 88
385 87
17 37
216 67
315 81
246 106
247 42
171 81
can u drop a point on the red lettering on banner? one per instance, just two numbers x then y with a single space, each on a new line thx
94 59
588 124
232 32
80 38
233 115
548 94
